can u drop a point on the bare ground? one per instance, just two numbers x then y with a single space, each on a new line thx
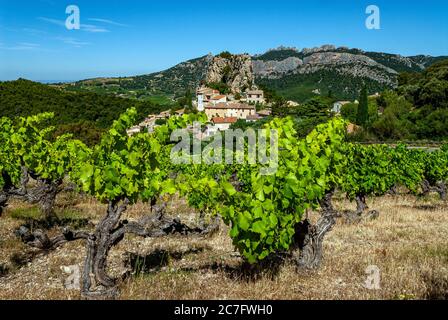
408 243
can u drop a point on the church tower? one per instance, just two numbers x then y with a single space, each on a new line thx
201 103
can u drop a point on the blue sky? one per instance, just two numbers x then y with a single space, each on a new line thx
119 38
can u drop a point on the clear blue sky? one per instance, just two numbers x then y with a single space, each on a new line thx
119 38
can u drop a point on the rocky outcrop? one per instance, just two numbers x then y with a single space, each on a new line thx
346 63
323 48
234 70
276 68
338 58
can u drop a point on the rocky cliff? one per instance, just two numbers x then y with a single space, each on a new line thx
317 59
234 70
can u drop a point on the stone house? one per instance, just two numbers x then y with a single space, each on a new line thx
207 93
223 123
218 99
233 109
255 96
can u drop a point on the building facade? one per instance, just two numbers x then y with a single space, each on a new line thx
233 109
223 123
255 96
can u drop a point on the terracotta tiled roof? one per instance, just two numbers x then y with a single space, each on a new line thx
223 105
218 97
224 120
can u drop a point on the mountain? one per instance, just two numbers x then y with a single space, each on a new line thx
297 75
173 82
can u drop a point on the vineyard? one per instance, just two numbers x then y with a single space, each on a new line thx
271 220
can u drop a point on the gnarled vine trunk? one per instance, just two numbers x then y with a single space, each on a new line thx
45 194
393 191
3 201
360 213
426 187
10 190
309 238
440 188
110 231
361 204
96 283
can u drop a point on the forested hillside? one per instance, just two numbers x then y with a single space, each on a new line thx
417 109
423 112
83 113
330 80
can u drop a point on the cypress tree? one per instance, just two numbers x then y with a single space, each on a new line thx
363 108
280 107
188 100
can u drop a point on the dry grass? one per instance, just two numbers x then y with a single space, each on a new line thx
408 242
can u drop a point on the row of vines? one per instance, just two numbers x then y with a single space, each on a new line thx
267 215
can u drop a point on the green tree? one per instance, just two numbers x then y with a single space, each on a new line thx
189 98
225 55
220 86
363 109
418 108
393 123
280 107
310 114
186 101
270 95
349 112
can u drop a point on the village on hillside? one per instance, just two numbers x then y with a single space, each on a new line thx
228 95
222 110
